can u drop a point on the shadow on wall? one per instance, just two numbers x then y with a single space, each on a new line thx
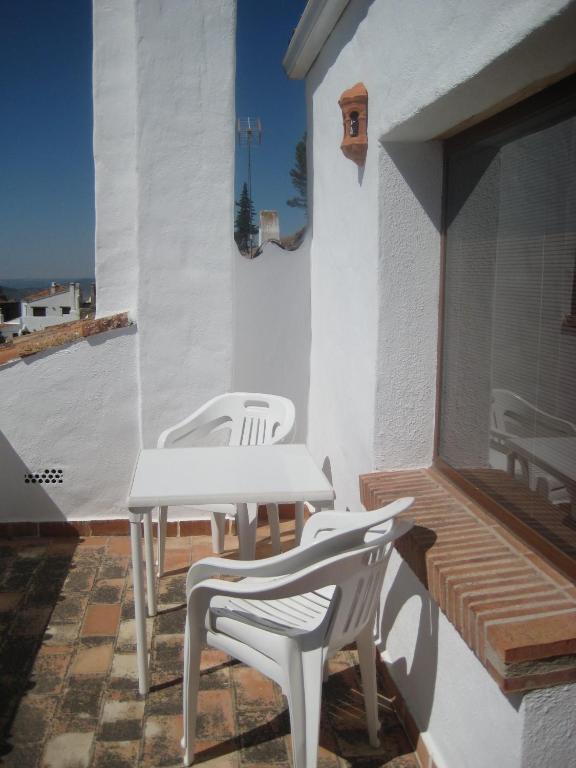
23 496
420 679
341 35
417 166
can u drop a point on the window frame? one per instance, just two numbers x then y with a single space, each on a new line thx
535 107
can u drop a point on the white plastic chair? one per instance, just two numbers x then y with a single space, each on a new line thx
512 416
235 418
292 612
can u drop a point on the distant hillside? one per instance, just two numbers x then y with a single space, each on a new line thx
17 288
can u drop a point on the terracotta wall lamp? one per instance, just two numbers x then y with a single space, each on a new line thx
354 106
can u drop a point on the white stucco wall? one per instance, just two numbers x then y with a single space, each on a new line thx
185 75
272 326
344 283
410 195
375 259
75 409
445 63
465 720
548 738
376 231
164 160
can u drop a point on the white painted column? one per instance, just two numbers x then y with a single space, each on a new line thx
186 74
116 196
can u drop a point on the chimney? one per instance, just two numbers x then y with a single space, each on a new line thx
52 288
269 227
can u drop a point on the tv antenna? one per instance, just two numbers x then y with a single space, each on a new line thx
249 132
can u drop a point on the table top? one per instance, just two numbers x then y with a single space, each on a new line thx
220 475
556 455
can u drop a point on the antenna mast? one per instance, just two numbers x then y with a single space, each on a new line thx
249 132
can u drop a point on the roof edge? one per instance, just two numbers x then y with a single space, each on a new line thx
315 25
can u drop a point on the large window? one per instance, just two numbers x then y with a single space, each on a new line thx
507 425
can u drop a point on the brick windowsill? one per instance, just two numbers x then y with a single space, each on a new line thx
58 335
513 609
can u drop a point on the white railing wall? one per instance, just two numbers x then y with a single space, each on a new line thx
272 325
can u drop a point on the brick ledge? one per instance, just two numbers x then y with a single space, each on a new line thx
58 335
512 608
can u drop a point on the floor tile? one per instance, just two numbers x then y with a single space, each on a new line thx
68 750
116 754
33 718
93 661
107 591
101 619
9 600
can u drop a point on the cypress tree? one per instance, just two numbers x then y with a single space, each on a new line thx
244 225
299 176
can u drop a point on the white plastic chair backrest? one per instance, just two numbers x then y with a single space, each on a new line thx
512 415
325 535
356 573
235 418
358 592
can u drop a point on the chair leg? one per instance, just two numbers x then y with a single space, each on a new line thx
313 670
218 525
297 706
274 523
542 487
192 651
161 540
149 559
367 659
247 517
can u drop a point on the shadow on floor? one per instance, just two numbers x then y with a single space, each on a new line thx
32 575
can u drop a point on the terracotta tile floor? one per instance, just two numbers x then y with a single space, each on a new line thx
68 689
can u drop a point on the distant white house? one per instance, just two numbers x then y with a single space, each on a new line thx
57 304
8 328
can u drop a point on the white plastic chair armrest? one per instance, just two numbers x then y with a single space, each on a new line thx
200 416
270 567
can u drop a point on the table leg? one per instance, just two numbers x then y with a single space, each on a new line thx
149 555
247 516
274 525
139 615
298 521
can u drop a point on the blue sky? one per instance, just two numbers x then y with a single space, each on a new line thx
264 91
47 172
47 175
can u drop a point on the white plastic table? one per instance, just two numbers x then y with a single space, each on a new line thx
190 476
555 455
